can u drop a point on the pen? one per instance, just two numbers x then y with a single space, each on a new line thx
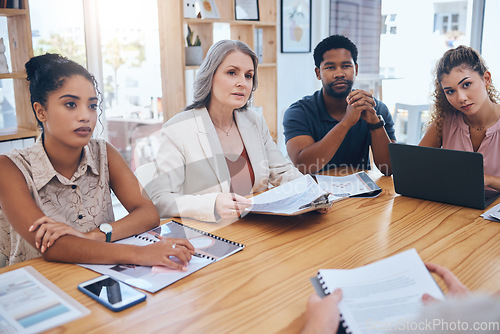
243 203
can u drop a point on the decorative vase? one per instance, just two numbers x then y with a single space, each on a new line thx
194 55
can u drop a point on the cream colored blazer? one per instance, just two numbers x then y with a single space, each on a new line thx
191 167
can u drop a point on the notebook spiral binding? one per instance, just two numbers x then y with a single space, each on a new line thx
210 234
197 254
343 327
199 231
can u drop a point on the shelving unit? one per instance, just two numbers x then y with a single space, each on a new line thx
172 42
21 50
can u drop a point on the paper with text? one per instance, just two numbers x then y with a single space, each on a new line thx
289 198
29 303
379 296
347 186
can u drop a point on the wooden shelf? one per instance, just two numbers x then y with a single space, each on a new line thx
17 133
12 12
13 75
232 22
267 65
21 50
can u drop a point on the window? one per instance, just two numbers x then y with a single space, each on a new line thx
425 30
57 32
389 25
132 81
129 57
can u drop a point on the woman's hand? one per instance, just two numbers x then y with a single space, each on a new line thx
230 205
322 315
492 181
48 231
159 253
455 287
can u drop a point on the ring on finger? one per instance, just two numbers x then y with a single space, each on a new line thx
173 246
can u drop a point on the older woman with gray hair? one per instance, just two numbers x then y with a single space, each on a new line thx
218 150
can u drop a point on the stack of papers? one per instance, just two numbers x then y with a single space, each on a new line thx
304 194
355 185
381 296
492 214
30 303
292 198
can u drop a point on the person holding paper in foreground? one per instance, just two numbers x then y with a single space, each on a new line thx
322 315
218 150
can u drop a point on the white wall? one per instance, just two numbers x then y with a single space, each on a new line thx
491 48
296 76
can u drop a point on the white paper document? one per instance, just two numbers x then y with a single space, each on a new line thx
29 303
349 185
294 197
382 295
492 214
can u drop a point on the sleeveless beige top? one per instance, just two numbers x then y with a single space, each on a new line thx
83 202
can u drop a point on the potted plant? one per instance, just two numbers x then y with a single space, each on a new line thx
193 50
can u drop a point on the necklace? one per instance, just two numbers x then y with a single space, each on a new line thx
481 128
226 132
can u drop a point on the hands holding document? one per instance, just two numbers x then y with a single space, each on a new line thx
292 198
231 205
322 315
455 287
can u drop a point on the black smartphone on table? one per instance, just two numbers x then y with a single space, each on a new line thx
112 293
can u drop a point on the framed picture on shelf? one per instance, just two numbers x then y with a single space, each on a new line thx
208 9
246 10
295 26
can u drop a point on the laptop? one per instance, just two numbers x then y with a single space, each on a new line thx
441 175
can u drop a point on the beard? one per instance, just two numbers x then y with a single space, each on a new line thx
331 91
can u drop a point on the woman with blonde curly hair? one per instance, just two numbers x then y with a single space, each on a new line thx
466 110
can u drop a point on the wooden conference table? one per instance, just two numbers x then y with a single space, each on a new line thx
264 288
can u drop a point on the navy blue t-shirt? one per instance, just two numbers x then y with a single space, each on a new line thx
309 117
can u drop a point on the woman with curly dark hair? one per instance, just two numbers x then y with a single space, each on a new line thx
466 110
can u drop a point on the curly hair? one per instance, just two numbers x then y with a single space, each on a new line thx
334 42
460 56
47 73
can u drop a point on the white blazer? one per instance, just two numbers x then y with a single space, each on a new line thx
191 166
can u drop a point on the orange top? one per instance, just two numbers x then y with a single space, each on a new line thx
242 175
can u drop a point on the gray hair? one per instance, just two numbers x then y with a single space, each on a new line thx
215 56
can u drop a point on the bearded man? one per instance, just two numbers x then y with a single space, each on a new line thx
336 126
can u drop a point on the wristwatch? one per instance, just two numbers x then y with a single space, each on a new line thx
106 229
377 125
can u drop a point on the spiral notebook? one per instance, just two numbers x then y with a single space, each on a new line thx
209 248
380 296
